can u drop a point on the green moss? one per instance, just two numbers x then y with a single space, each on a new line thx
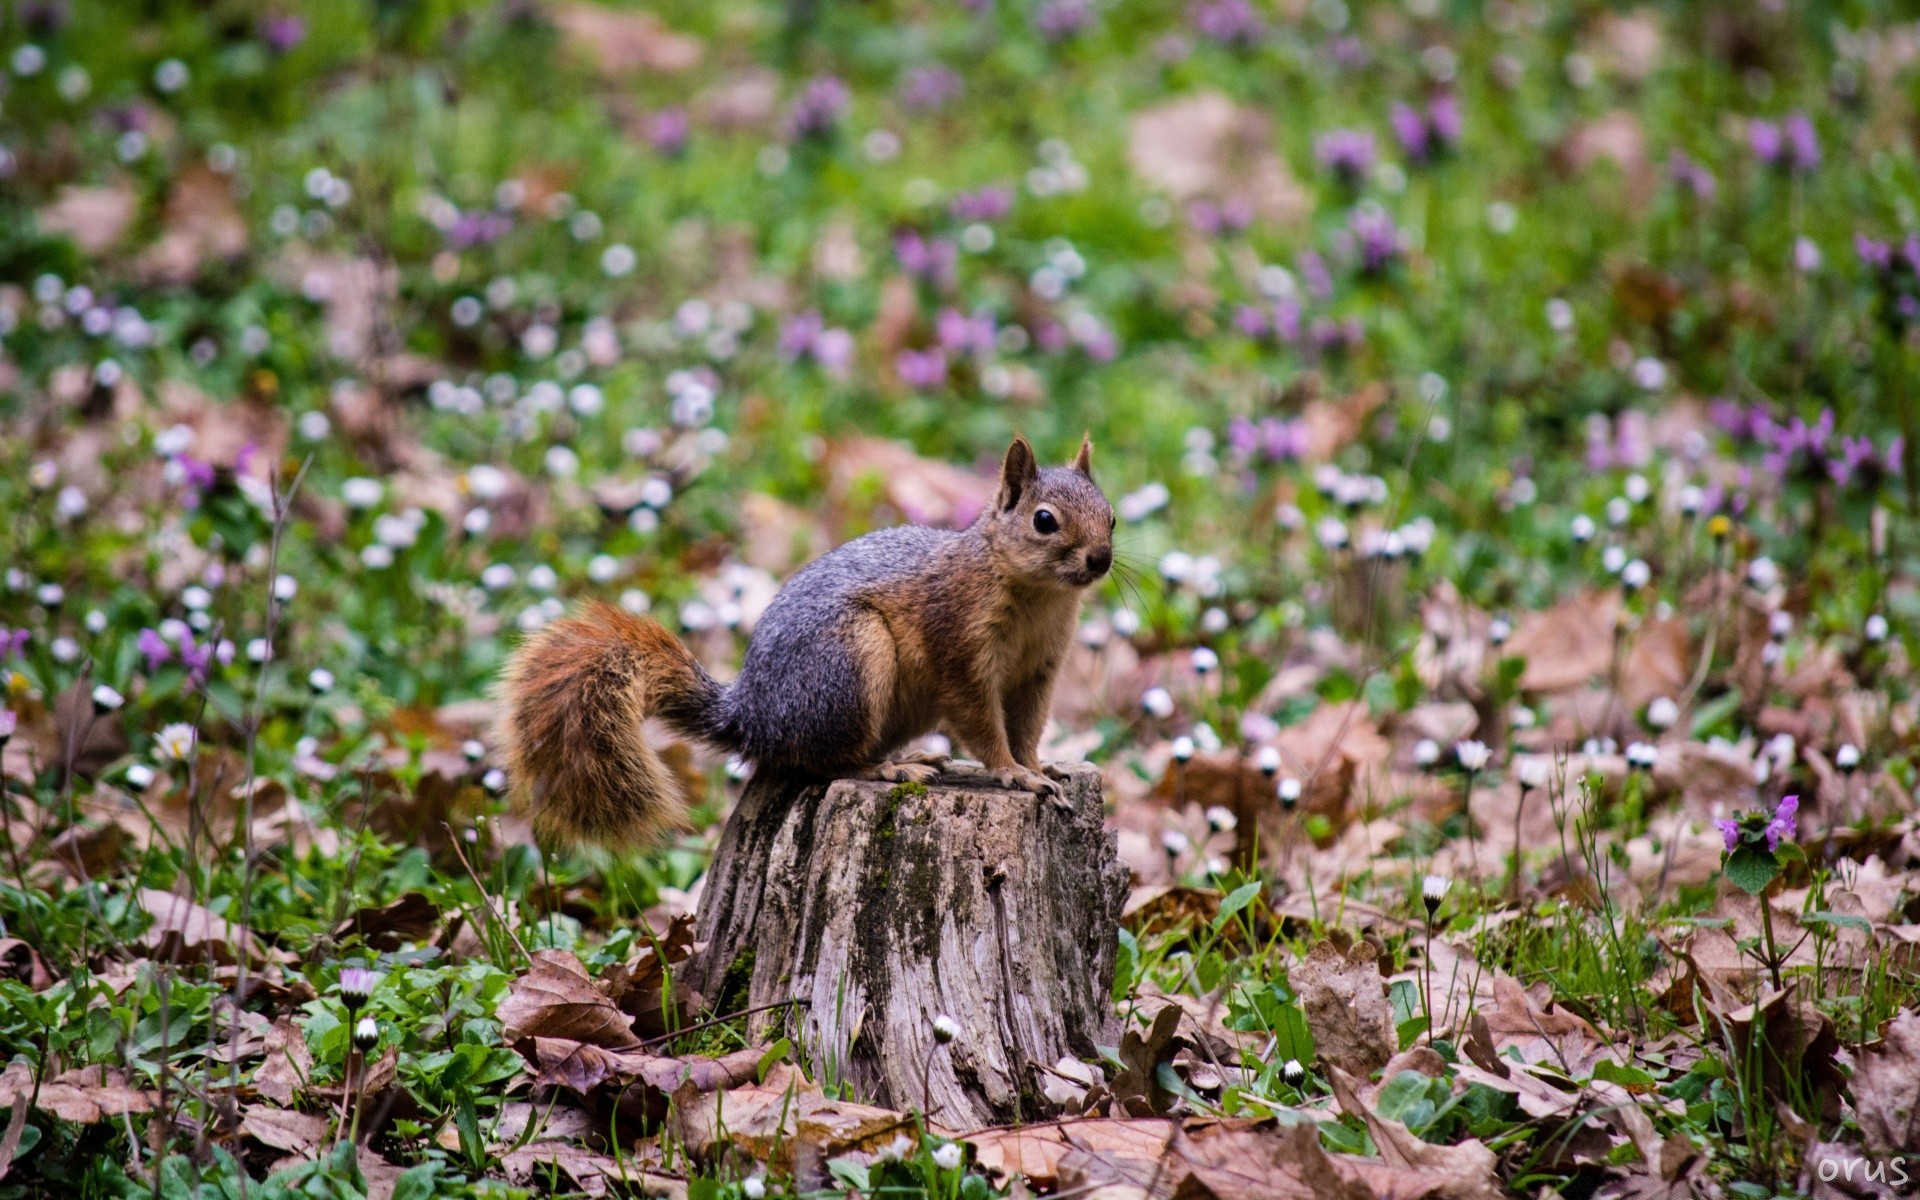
900 791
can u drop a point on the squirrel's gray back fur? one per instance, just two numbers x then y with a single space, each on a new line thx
792 704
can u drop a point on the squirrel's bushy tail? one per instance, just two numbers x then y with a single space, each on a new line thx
575 695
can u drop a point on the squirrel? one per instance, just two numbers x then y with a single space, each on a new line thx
879 641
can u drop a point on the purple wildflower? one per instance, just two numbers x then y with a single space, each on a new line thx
1803 144
921 370
1690 176
1409 130
1058 20
154 649
817 110
1423 136
1252 321
1286 320
1346 153
1729 833
1443 117
1876 255
13 642
200 475
282 32
1376 238
1313 271
196 658
9 724
961 334
1230 22
982 204
668 129
1783 824
930 87
833 350
1763 138
799 333
478 228
932 259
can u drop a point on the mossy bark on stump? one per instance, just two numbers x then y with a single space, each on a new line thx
882 906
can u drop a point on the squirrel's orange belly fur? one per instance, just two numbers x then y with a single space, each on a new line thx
882 640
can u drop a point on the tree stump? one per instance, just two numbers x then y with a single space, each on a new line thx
879 907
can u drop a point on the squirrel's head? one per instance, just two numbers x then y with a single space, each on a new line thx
1050 525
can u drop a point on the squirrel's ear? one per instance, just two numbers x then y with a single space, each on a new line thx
1083 461
1017 473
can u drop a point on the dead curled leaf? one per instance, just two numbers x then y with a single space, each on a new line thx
288 1063
1789 1047
411 918
557 1000
1137 1088
1459 1172
582 1067
1229 1161
768 1119
282 1129
183 931
85 1096
591 1172
1346 1005
1886 1087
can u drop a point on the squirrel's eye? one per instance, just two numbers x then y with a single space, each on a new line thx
1045 522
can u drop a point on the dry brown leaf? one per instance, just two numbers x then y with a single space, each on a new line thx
626 41
768 1118
96 738
1530 1022
1331 424
90 1095
1233 1161
183 931
1458 1172
1035 1152
1136 1087
583 1067
293 1132
411 918
96 218
1658 662
1790 1047
640 988
288 1064
540 1162
550 1121
1346 1005
1886 1087
10 1141
778 536
201 222
1567 645
1203 144
22 963
557 999
922 490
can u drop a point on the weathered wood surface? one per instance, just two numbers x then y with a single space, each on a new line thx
883 906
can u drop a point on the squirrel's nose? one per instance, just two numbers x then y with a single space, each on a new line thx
1099 560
